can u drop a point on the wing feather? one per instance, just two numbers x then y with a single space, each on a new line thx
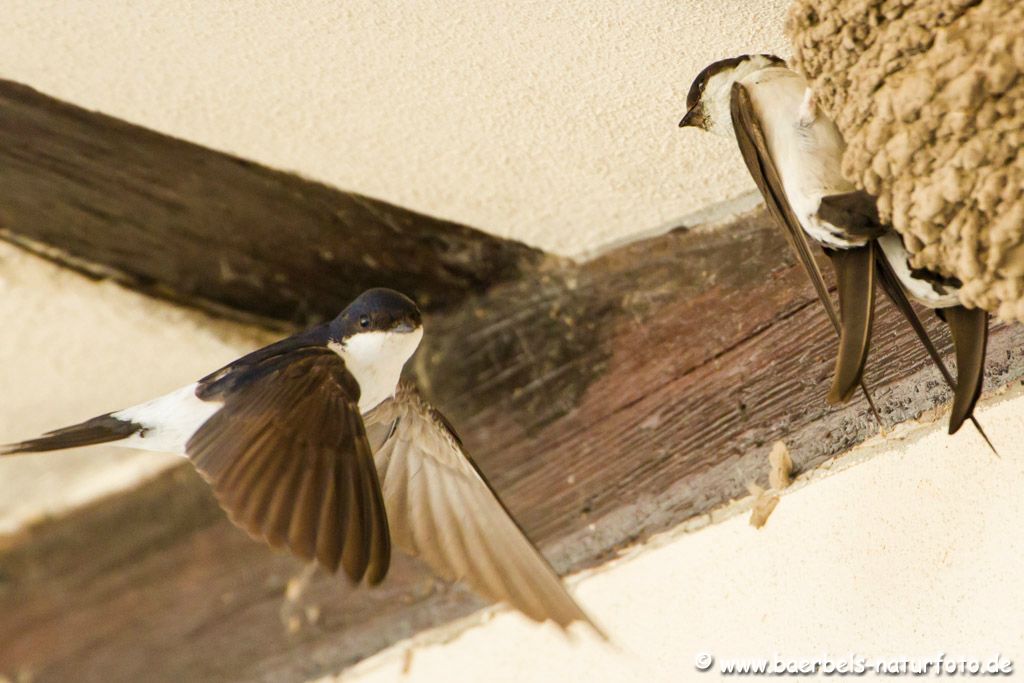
302 527
288 458
443 510
280 509
856 211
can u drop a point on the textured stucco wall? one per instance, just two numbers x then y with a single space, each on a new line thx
930 97
553 123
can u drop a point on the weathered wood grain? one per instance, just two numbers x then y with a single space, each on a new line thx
182 221
606 402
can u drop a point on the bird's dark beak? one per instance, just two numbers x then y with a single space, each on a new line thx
694 118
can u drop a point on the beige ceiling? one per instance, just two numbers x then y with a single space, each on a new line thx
554 123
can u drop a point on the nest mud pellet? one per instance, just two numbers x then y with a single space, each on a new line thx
930 97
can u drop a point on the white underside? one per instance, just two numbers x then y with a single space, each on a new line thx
808 154
168 421
921 291
806 148
376 360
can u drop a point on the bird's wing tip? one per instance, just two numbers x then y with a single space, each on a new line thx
16 448
600 632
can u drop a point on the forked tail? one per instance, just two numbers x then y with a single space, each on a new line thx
964 403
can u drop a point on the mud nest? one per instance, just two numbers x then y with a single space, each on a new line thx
930 97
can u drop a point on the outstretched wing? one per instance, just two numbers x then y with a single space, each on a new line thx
858 306
443 510
288 459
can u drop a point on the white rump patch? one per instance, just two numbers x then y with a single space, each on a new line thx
921 291
168 421
376 360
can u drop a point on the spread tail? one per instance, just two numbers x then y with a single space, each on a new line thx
100 429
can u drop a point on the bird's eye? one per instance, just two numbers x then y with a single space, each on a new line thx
364 321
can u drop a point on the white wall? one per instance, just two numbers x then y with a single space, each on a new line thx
551 122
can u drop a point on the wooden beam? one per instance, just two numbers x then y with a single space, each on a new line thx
181 221
606 402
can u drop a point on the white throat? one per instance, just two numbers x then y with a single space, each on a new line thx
717 95
376 359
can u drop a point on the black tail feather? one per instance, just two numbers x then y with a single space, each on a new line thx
100 429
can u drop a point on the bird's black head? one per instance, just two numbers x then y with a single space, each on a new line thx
377 310
698 114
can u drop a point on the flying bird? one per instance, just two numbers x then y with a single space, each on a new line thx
794 151
311 444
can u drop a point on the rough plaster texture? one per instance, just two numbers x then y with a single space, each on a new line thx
912 552
553 123
72 348
930 97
